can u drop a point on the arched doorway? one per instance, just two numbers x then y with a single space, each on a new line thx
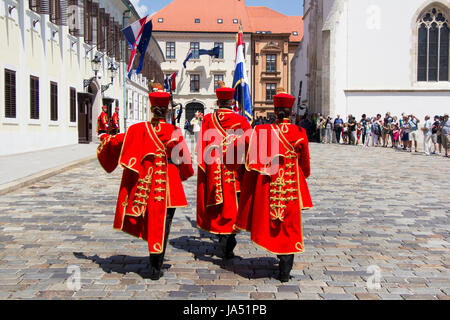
84 117
192 108
89 108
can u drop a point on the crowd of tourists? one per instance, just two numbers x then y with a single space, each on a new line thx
388 131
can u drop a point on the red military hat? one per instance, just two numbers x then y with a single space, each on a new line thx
159 99
283 100
225 93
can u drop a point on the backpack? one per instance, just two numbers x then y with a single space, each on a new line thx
187 126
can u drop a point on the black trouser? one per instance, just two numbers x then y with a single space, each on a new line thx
286 264
338 135
156 260
227 243
101 132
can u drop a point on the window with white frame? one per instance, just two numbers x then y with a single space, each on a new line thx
433 46
217 78
170 50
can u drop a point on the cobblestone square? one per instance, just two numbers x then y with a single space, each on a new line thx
375 209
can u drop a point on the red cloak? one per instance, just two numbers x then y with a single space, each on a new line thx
217 186
273 196
151 181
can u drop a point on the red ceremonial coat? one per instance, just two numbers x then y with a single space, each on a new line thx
151 180
273 197
115 122
102 122
217 187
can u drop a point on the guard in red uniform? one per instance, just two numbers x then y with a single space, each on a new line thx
102 121
218 187
274 189
155 159
115 122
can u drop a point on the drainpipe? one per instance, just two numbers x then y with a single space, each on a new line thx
126 15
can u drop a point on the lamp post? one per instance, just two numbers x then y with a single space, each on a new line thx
112 70
96 63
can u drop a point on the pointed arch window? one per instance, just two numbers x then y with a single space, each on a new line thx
433 46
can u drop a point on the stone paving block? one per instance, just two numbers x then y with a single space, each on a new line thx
179 294
367 296
233 295
310 289
331 296
418 297
334 290
431 291
286 296
410 244
266 288
309 296
288 288
389 296
217 288
190 288
262 296
55 294
401 291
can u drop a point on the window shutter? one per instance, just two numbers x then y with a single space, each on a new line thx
73 105
53 101
95 23
63 12
73 21
55 11
100 30
35 5
110 37
34 97
87 21
44 6
10 94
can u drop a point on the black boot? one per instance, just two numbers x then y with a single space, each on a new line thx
156 261
227 244
231 244
285 267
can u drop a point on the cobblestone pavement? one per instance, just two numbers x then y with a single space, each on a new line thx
375 208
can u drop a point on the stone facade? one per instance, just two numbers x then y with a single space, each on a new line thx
265 46
359 57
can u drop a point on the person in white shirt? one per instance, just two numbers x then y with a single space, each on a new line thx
196 124
427 133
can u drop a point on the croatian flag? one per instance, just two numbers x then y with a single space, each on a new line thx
189 55
240 82
138 35
170 83
214 52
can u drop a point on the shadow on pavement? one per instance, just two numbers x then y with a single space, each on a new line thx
122 264
251 268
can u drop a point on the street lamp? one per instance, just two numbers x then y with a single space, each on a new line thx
96 63
112 70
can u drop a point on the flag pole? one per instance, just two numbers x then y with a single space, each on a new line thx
242 80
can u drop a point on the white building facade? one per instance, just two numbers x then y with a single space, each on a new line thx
52 94
138 101
361 56
197 82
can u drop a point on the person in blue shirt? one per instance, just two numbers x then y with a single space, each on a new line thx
338 126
